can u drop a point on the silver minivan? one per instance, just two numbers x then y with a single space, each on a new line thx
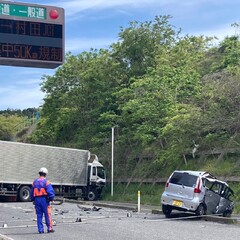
198 192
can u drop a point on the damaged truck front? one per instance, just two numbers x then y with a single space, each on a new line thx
73 173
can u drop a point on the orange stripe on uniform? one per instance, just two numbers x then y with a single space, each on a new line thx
50 216
39 192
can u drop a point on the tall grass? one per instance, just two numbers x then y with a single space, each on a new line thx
150 193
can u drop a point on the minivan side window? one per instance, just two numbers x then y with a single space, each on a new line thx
184 179
207 183
228 193
216 187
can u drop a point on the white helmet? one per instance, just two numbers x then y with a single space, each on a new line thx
43 170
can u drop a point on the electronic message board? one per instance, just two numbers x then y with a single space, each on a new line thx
31 35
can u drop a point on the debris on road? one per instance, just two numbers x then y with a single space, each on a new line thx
94 208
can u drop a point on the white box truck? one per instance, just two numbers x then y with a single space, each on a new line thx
73 173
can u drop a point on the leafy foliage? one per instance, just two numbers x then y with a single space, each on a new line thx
8 126
161 91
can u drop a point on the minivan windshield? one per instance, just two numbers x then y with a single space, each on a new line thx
182 178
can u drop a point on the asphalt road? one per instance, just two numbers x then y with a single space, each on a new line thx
78 221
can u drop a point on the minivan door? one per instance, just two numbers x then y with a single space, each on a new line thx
225 204
212 196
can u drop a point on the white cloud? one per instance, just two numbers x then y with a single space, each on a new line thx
220 32
29 81
85 44
20 98
73 7
33 72
22 75
101 4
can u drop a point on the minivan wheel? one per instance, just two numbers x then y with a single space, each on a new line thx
201 210
227 214
166 210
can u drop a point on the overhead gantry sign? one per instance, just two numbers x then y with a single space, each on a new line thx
31 35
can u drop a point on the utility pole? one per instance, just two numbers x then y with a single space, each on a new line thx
112 160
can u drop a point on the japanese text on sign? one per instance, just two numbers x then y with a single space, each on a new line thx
22 11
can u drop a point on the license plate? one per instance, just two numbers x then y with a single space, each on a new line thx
177 203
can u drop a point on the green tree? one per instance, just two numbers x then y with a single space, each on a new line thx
76 96
9 126
161 90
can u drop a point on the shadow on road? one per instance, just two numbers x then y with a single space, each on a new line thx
7 199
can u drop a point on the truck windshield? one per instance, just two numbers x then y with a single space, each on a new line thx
101 172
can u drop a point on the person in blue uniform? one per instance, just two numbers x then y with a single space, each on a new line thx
42 194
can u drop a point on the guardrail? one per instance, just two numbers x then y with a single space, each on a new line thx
164 179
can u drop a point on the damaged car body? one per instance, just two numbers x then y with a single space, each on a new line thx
198 192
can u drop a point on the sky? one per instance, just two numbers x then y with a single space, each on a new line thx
96 24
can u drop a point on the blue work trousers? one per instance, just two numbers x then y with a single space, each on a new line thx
43 207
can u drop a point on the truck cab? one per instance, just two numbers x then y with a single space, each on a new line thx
96 178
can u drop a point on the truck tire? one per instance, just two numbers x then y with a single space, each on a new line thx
92 195
24 194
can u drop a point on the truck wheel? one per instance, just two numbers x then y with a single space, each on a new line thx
24 194
92 195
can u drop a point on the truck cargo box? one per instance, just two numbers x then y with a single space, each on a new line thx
20 163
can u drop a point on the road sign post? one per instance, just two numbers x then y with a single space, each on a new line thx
31 35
